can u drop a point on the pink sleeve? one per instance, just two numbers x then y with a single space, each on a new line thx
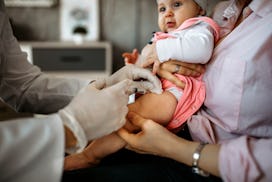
246 159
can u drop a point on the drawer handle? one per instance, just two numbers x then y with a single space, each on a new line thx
71 59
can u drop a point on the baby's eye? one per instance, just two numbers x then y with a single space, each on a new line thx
177 4
162 9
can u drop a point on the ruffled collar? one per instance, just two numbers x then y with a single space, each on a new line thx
226 14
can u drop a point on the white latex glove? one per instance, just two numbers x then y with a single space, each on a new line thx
94 113
148 81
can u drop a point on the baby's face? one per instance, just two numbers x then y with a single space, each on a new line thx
172 13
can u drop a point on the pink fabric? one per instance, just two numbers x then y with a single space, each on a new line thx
194 91
192 98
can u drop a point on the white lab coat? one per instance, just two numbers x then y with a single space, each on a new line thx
31 149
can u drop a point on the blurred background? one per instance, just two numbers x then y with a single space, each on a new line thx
81 37
126 24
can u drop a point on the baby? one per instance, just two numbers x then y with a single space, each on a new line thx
186 35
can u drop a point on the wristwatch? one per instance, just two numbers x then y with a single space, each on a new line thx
196 157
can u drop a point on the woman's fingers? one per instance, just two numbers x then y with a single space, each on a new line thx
172 78
185 69
196 67
135 119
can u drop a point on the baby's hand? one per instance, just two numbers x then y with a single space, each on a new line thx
131 58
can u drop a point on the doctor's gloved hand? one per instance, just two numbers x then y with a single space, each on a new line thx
94 113
148 81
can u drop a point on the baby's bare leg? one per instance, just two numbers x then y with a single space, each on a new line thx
94 152
158 107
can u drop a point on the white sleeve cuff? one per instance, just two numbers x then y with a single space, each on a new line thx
77 130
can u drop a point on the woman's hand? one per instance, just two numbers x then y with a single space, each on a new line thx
152 138
168 69
94 152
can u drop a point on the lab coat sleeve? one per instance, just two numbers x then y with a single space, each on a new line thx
23 86
193 45
246 159
32 149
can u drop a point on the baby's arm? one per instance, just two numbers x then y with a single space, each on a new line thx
195 45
